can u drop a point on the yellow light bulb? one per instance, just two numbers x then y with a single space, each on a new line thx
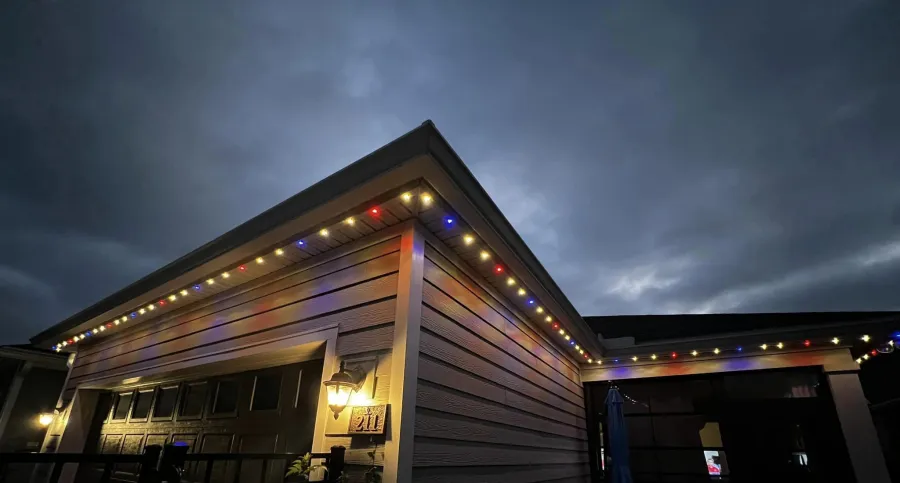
521 292
142 311
484 255
173 298
183 293
859 361
406 197
225 275
865 338
634 358
510 281
102 328
468 239
779 345
716 351
539 310
694 353
260 261
653 356
279 252
577 347
117 322
124 319
562 332
764 347
866 356
323 232
590 360
599 362
835 341
567 337
426 199
151 307
891 343
548 318
581 351
350 221
210 281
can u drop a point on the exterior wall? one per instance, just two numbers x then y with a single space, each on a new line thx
352 288
495 400
36 394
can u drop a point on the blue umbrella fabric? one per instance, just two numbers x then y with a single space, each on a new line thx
618 438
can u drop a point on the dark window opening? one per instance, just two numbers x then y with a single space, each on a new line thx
165 402
225 401
266 391
123 404
142 405
193 400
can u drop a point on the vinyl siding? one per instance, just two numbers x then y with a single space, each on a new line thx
495 400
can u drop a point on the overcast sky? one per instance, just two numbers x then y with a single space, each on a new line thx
658 157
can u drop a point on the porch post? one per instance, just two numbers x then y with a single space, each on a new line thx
398 449
80 418
858 428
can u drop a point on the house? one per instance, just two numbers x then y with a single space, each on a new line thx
395 284
30 382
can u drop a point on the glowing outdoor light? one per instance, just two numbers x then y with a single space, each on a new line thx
44 419
341 385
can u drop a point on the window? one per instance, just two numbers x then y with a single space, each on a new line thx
266 391
193 400
142 405
123 404
225 401
165 402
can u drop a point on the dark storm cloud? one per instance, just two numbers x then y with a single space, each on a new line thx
657 157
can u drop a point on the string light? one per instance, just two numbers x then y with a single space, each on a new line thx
225 275
183 293
323 232
764 346
694 353
242 268
806 343
779 345
210 281
865 338
539 310
484 255
448 221
562 332
141 311
426 199
300 243
634 358
866 356
374 211
260 261
835 341
172 298
548 319
674 355
350 221
468 239
279 252
406 197
510 281
521 292
498 269
716 351
568 337
653 357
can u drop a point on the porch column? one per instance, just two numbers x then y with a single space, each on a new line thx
858 428
79 420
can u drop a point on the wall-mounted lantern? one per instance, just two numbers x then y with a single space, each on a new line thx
44 419
341 385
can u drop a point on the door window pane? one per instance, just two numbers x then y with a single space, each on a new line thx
193 400
226 397
142 405
266 389
123 403
165 402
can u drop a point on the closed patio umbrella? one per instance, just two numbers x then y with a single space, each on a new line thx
618 438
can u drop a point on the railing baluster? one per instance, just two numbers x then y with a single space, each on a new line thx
237 471
262 476
57 471
107 471
208 474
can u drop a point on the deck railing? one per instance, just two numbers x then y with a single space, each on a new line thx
156 465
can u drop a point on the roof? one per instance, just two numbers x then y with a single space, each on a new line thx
394 157
654 328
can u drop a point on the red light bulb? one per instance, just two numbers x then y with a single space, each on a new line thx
374 211
874 352
555 326
674 355
242 268
806 343
498 269
161 302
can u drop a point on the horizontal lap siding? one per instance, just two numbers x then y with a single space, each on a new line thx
495 400
356 290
